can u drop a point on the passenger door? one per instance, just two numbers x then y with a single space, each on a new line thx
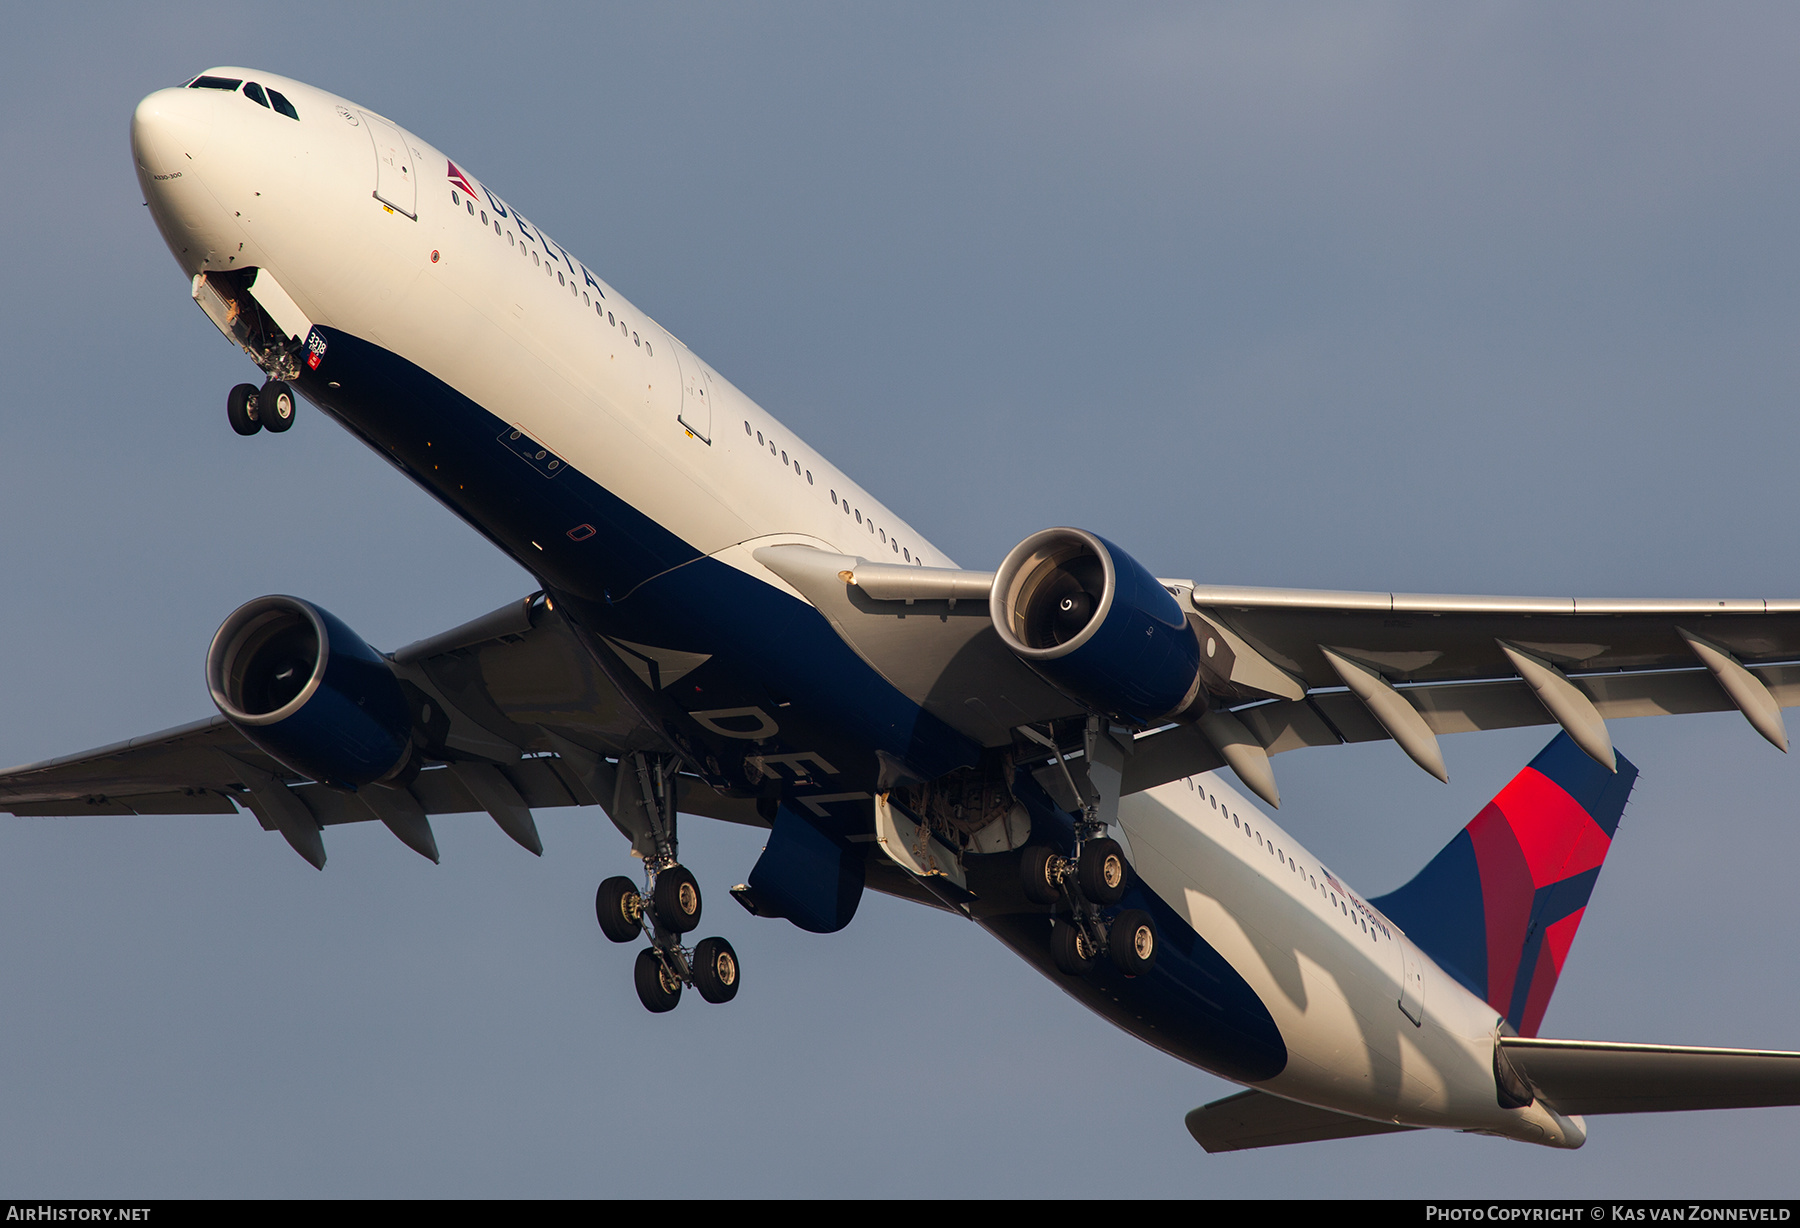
395 183
696 394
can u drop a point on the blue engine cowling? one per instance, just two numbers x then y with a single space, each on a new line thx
1098 627
305 688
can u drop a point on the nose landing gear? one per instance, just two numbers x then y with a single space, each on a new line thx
249 409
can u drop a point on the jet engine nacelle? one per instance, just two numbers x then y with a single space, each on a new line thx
1098 627
306 689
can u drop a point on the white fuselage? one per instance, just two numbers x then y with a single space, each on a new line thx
481 299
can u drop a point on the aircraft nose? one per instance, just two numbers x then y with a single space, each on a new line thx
165 133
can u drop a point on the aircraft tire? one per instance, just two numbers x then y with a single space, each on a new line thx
1103 872
620 909
716 970
1037 873
240 409
1131 942
1070 949
676 900
275 405
657 988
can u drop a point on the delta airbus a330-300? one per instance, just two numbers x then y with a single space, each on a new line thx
729 627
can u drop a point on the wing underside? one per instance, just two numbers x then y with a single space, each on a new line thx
524 721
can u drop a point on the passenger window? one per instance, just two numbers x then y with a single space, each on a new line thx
895 546
759 437
907 555
648 350
858 515
784 458
609 318
471 208
454 198
634 339
282 105
746 428
496 225
809 480
484 217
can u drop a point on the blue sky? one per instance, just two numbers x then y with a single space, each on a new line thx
1489 298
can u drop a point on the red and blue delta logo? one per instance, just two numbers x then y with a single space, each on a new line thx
460 180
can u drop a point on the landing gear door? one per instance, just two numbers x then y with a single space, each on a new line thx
696 395
396 183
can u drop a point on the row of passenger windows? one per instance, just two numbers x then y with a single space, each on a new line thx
880 534
275 100
525 249
1373 929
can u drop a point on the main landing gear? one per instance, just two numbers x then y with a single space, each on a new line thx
665 966
251 409
666 911
1082 890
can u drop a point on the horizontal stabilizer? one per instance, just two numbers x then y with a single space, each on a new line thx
1595 1076
1257 1119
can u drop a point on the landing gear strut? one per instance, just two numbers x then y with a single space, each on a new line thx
668 907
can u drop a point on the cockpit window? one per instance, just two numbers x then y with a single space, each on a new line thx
254 93
283 105
214 83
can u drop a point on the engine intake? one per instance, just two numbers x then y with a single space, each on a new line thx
303 687
1098 627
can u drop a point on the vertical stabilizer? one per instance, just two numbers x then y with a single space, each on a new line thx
1499 906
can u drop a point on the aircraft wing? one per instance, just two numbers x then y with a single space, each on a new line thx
1590 1076
520 719
1312 667
1470 662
